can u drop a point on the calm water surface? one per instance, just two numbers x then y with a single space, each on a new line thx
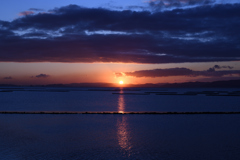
111 136
120 137
85 100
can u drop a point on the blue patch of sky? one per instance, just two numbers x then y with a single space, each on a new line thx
9 9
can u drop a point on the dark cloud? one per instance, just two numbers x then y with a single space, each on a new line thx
8 78
218 67
35 9
4 24
161 72
76 34
181 72
161 4
42 76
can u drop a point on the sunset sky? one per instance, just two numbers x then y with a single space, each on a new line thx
137 41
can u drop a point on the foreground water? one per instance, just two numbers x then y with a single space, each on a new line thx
119 136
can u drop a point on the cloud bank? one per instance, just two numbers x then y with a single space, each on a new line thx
206 33
160 4
211 72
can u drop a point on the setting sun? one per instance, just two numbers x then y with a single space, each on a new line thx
120 82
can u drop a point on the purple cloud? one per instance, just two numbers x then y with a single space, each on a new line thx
8 78
220 67
35 9
181 72
42 76
159 4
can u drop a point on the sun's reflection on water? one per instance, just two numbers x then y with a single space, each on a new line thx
123 133
121 103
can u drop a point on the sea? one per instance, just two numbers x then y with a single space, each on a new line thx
119 123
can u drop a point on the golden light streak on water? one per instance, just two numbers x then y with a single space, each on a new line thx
123 133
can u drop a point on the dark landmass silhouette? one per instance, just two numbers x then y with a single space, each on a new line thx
214 84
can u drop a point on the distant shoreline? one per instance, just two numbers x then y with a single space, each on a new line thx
214 84
109 112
